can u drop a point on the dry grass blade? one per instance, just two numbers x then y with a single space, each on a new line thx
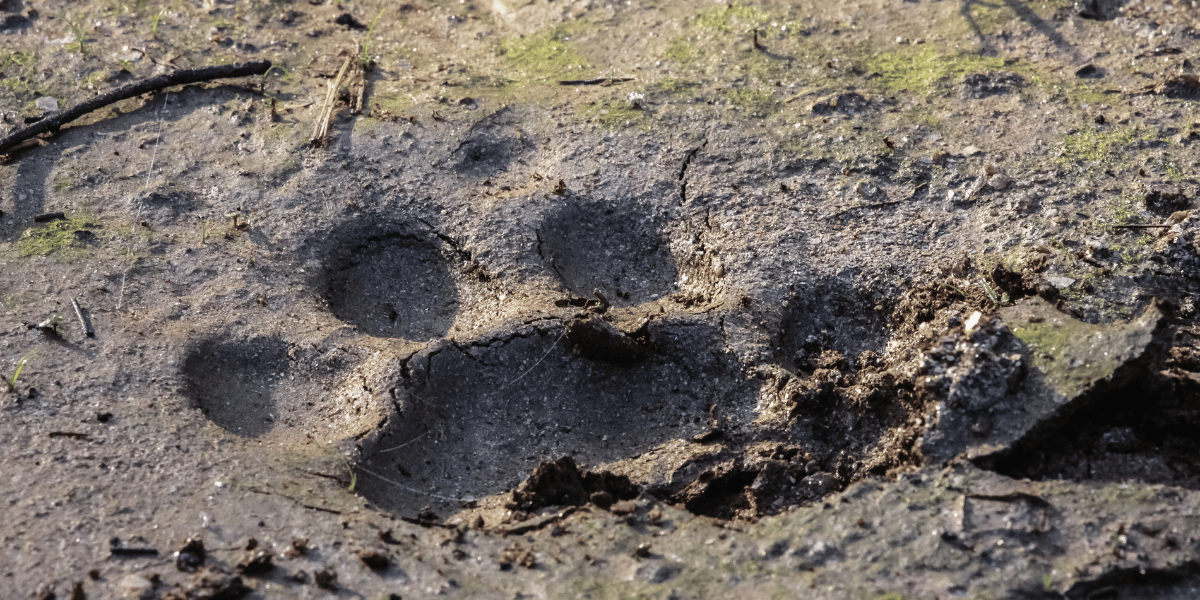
11 380
322 126
361 96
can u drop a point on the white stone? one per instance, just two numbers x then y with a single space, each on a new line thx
972 321
133 586
47 104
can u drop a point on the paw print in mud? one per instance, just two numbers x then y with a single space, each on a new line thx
444 418
450 351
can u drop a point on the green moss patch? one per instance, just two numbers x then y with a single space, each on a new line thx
1102 146
17 67
1074 355
731 17
617 115
751 99
925 68
679 50
18 59
1051 343
544 56
66 238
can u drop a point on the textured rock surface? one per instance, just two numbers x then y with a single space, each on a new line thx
1026 372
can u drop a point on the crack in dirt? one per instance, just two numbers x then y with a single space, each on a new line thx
553 263
464 255
687 161
299 503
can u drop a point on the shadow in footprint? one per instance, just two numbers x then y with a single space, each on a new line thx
1143 432
232 382
619 251
392 282
475 419
831 314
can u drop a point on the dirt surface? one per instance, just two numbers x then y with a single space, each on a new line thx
582 299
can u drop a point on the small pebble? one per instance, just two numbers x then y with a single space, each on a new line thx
47 104
326 579
374 559
972 321
133 586
1061 283
999 181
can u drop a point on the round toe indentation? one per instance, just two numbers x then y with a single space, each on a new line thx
492 145
622 253
266 386
233 382
394 285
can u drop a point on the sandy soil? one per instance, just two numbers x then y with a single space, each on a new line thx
575 299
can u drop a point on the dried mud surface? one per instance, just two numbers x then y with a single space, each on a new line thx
832 300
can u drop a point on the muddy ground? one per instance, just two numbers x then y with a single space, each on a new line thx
582 299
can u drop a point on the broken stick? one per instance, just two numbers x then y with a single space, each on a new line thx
53 121
83 320
604 81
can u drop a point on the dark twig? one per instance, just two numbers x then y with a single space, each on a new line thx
606 81
540 523
869 205
302 504
54 121
71 434
883 204
604 303
50 216
1142 226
